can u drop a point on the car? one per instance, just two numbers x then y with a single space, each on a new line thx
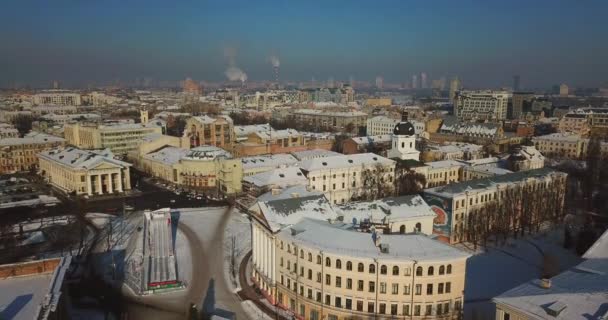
172 201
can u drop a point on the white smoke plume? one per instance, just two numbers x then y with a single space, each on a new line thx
274 60
233 73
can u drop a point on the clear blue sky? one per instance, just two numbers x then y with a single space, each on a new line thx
485 42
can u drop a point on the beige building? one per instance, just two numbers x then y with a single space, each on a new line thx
454 202
120 138
481 105
564 145
574 123
57 97
205 168
19 154
205 130
342 178
317 269
330 119
84 172
8 131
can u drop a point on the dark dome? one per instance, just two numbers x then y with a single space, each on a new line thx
404 129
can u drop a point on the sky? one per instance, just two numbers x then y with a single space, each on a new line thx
484 42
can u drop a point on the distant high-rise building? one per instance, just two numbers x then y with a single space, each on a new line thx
351 81
379 82
442 83
423 81
518 101
330 82
415 81
516 86
55 84
454 87
563 89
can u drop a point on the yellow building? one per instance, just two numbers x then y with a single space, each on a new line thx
316 265
84 172
205 168
19 154
378 102
205 130
120 138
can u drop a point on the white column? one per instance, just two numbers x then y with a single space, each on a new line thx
109 183
119 181
272 260
89 186
99 186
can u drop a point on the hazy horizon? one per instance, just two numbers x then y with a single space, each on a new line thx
484 43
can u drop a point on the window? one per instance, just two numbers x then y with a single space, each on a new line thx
314 315
382 308
395 271
394 309
382 287
417 310
440 288
310 257
419 271
318 259
431 271
289 248
327 299
408 271
439 309
328 262
395 288
310 294
441 270
406 289
339 282
318 296
448 287
360 285
429 289
372 268
383 269
327 279
418 289
349 266
281 262
349 304
301 254
360 267
319 277
370 307
406 309
309 274
338 264
349 283
429 310
338 302
506 316
449 269
302 309
372 286
359 305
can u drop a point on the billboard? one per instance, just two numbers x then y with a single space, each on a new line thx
442 224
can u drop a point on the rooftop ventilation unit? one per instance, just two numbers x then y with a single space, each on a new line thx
556 308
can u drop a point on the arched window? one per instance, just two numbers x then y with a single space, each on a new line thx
318 259
338 264
418 227
310 257
449 269
301 254
419 271
360 267
402 229
349 266
395 271
327 262
441 270
431 271
383 269
372 268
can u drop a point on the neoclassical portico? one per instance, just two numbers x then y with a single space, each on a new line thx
107 181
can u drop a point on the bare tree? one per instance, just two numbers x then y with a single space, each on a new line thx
376 182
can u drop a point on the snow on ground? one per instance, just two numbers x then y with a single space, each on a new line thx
99 219
184 260
239 228
501 268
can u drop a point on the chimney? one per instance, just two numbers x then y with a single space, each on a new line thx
545 283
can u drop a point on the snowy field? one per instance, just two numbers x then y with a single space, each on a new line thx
501 268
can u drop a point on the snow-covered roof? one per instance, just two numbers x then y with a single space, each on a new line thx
206 153
570 137
242 131
280 177
480 162
578 293
78 158
314 153
599 250
345 161
474 129
274 161
457 147
330 113
489 168
529 153
453 189
278 134
292 208
31 138
443 164
167 155
387 209
383 138
339 239
205 119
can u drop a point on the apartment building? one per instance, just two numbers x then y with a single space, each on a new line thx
120 138
481 105
338 120
19 154
57 97
213 131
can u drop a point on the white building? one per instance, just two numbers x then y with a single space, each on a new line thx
404 142
341 178
481 105
57 97
381 125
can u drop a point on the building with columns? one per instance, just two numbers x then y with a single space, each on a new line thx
84 172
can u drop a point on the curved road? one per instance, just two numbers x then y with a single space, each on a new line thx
207 267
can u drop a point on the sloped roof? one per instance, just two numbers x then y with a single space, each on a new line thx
387 209
78 158
281 177
345 161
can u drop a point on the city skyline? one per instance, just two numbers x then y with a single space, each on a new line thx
485 44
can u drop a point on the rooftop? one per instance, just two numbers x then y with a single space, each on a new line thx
345 161
486 183
338 238
78 158
315 153
281 177
31 138
383 138
167 155
444 164
207 153
275 161
387 209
